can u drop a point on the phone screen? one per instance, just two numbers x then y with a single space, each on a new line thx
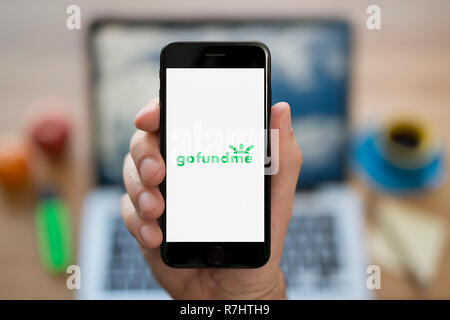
215 154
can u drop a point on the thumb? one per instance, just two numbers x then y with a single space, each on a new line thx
284 181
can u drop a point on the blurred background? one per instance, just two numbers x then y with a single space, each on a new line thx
371 112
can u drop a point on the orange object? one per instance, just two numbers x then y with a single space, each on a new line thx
14 173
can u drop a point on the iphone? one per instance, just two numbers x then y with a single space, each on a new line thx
215 102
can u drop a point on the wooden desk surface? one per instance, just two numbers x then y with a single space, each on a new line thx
402 69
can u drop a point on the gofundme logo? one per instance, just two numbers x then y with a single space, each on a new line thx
239 155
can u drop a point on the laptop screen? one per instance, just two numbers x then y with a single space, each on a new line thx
310 71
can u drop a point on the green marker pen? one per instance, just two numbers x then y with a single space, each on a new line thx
53 232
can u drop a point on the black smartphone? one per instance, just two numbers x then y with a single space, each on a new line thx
215 100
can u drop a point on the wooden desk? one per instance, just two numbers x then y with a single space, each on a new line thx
403 68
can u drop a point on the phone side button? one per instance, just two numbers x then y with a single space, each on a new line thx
215 255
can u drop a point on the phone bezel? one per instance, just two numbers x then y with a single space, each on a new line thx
216 55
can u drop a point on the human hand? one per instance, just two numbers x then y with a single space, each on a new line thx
144 170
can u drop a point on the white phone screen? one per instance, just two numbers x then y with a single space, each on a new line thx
215 154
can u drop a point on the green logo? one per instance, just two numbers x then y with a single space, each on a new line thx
241 149
239 156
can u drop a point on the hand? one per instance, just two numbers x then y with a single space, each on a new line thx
144 170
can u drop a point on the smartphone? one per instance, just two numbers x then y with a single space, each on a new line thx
215 100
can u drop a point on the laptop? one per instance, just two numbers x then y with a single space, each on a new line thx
323 256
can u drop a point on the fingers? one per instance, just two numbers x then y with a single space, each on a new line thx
143 171
290 155
284 182
147 201
144 149
147 233
148 118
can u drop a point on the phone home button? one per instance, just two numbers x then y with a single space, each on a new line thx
215 254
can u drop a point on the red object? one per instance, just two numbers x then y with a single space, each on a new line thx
51 133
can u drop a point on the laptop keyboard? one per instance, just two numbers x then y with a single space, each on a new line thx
127 269
310 256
